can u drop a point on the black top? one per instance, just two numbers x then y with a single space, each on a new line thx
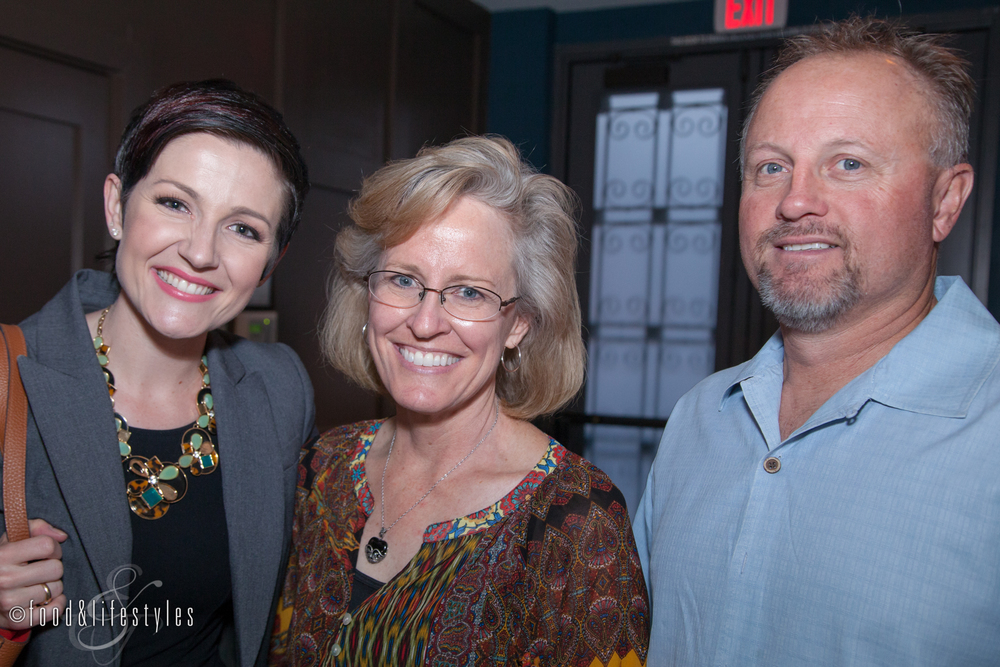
182 566
363 588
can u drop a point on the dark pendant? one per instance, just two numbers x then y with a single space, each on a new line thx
376 550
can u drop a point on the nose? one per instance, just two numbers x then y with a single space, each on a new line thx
429 318
804 196
199 247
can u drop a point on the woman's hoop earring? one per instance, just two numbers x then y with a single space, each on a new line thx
364 332
511 365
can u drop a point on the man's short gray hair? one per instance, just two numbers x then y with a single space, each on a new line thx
942 69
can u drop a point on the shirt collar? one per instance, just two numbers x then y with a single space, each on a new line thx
941 365
769 356
937 369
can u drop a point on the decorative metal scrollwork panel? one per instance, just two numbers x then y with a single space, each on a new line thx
627 150
658 184
631 150
658 178
624 274
692 270
698 148
618 370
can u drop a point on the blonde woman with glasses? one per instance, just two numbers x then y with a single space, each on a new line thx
456 530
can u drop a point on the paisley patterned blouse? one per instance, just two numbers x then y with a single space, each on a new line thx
548 575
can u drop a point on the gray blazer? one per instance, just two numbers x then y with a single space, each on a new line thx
75 481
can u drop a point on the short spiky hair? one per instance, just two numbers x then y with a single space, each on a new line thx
219 107
942 69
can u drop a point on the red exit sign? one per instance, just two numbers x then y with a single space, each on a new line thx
748 15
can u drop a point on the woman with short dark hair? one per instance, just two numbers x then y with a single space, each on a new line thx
161 451
457 532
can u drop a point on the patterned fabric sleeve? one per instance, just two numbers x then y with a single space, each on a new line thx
581 555
316 586
280 632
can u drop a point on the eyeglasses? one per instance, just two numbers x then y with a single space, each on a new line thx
466 302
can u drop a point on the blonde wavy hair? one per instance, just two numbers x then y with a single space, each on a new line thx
401 196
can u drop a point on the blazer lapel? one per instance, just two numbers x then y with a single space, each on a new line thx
85 460
70 406
252 493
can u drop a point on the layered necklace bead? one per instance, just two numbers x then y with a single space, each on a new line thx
156 485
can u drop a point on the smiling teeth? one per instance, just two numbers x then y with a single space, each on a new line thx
419 358
807 246
183 285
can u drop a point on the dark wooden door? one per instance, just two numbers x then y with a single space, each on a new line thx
442 94
54 118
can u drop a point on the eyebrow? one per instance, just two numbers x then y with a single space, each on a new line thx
239 210
836 144
842 143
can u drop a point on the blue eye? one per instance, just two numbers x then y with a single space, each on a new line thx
403 281
468 293
850 164
772 168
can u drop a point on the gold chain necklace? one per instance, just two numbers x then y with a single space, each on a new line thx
158 485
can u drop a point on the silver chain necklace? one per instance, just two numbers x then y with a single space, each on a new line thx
377 547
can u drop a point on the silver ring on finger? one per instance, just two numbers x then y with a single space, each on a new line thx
48 594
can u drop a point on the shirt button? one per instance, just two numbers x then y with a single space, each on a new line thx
335 650
346 618
772 464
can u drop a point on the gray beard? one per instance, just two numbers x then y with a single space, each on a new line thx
814 308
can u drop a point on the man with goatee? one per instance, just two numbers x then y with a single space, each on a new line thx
836 499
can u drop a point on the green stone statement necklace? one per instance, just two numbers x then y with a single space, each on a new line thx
157 485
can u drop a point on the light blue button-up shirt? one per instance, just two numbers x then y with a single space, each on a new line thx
876 542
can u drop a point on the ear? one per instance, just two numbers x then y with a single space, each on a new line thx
517 333
951 190
113 213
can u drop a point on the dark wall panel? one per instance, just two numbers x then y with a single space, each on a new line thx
38 232
53 142
300 297
335 89
433 104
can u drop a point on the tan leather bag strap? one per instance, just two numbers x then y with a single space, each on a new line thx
9 650
14 420
13 436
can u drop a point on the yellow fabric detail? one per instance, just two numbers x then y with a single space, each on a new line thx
631 660
284 616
